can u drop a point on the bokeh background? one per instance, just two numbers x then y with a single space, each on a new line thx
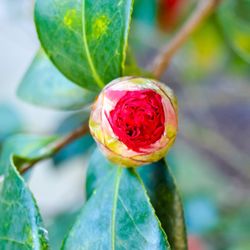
211 77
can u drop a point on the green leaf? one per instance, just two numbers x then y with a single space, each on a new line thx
166 200
86 39
44 85
20 222
28 147
98 168
118 216
235 21
161 188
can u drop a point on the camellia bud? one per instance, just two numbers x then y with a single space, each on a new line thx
134 121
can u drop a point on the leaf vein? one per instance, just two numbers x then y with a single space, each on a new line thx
89 58
130 216
118 178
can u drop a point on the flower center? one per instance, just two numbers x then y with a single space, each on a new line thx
138 119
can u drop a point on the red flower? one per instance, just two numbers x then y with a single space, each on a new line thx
134 121
138 119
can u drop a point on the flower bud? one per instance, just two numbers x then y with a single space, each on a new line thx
134 121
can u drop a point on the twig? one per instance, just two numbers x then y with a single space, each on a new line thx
57 146
79 132
162 60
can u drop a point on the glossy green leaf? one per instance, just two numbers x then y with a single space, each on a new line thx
161 188
28 147
85 39
235 20
98 168
20 222
166 200
1 182
118 215
44 85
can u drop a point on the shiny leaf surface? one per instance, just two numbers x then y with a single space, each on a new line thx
20 222
166 200
161 188
85 39
98 168
44 85
118 215
27 147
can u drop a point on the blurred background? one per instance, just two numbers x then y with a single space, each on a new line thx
210 159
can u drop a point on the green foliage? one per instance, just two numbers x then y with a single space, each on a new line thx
20 222
87 40
26 148
45 86
98 168
161 188
118 215
166 200
234 19
84 47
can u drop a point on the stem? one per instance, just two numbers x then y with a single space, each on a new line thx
203 10
79 132
57 146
